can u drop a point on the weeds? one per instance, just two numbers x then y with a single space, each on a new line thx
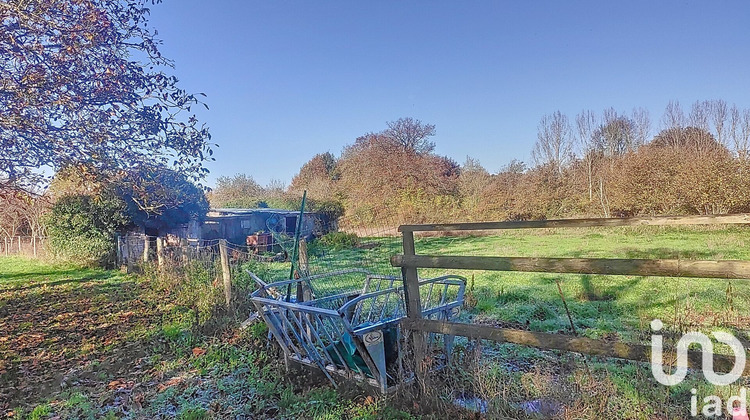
100 344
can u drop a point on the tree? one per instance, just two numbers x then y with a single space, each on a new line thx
739 131
77 180
160 198
673 115
515 166
412 135
700 112
689 138
83 81
616 135
378 174
719 113
239 190
641 126
498 195
13 208
318 177
554 144
586 122
82 227
673 118
472 180
21 213
154 196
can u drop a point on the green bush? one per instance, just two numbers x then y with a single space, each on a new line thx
333 209
339 240
82 228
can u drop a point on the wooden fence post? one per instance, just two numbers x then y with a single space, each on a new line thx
129 256
184 250
414 307
304 267
20 251
226 274
146 245
160 252
118 245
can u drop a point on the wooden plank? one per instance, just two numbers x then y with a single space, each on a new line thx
592 222
724 269
146 251
225 272
547 341
414 310
160 252
411 279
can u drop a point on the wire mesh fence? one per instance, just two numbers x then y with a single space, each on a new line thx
28 246
616 308
324 247
590 306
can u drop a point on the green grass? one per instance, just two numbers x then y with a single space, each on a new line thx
612 306
23 272
74 341
606 307
88 343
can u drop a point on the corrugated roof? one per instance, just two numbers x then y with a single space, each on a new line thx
241 212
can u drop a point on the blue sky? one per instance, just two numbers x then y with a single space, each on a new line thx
286 80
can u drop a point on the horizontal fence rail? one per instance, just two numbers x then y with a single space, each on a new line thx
547 341
723 269
718 219
411 261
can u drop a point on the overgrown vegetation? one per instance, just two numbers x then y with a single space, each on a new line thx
608 164
95 343
88 211
89 343
82 228
339 240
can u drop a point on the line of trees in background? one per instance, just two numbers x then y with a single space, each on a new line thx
606 164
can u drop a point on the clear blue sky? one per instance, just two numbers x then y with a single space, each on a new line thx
286 80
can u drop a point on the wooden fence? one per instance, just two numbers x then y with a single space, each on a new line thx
410 262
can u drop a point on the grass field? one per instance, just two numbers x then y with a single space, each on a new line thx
78 343
606 307
88 343
600 305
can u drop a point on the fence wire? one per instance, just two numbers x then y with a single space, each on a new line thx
28 246
346 243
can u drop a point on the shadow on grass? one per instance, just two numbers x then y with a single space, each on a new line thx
651 254
50 331
88 277
51 272
667 253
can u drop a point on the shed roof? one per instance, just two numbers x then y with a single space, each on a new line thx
224 212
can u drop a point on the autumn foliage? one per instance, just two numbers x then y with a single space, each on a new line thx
683 169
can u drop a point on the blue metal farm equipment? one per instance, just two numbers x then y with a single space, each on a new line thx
346 323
